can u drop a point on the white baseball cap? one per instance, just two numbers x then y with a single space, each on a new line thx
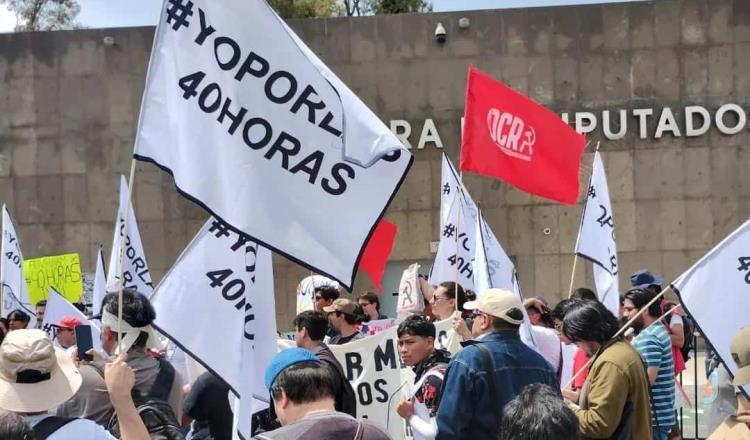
497 303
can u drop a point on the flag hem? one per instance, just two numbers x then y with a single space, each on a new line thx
350 284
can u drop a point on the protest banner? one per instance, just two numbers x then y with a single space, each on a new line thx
14 289
266 137
596 238
134 268
223 282
410 297
59 272
57 308
100 284
306 291
508 136
714 293
375 326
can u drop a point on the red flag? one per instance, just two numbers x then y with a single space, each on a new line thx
377 252
510 137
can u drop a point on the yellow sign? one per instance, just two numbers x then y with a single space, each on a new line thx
62 272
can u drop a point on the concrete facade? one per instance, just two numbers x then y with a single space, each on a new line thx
69 105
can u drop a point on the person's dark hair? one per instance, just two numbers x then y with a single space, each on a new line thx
357 318
416 325
470 295
589 321
136 311
13 426
584 293
304 382
561 309
450 293
641 297
41 303
538 413
371 298
19 315
314 322
501 324
329 293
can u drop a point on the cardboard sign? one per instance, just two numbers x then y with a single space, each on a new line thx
60 272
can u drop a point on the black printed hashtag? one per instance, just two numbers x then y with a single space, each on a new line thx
219 229
449 231
178 12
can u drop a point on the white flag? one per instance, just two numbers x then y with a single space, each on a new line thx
715 290
458 225
596 238
14 289
136 273
217 304
494 269
57 308
258 131
100 284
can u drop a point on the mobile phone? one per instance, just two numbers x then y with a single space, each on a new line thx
84 342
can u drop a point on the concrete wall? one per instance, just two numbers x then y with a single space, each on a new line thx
69 104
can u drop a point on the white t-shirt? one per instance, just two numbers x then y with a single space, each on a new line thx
75 430
548 343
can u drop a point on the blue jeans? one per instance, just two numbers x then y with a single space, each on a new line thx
661 433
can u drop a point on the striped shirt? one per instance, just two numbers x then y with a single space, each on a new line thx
655 347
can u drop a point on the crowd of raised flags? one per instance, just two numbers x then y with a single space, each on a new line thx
271 143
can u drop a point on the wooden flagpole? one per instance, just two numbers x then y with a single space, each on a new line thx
575 255
123 237
620 332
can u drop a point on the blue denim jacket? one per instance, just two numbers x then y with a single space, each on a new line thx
465 410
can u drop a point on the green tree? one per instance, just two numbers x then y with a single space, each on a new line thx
43 15
307 8
396 6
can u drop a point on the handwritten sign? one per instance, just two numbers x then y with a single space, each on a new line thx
61 272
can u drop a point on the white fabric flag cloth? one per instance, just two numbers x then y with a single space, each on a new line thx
221 289
57 308
596 238
14 289
458 218
306 291
715 290
136 273
261 135
100 284
494 269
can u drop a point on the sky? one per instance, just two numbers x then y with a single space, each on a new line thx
116 13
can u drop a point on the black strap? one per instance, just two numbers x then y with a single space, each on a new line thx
50 425
160 389
489 368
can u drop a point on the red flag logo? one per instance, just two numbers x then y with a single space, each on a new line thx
510 137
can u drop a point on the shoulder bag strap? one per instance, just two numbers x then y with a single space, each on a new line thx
49 425
489 368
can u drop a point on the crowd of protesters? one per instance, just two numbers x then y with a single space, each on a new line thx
494 387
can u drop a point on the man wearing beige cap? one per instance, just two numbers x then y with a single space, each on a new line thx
35 377
490 371
342 317
737 427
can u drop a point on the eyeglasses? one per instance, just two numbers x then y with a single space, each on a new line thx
435 299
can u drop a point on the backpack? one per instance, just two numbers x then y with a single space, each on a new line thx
153 407
688 327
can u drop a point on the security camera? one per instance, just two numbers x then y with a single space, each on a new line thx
440 33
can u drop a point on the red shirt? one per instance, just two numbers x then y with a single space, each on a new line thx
579 361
